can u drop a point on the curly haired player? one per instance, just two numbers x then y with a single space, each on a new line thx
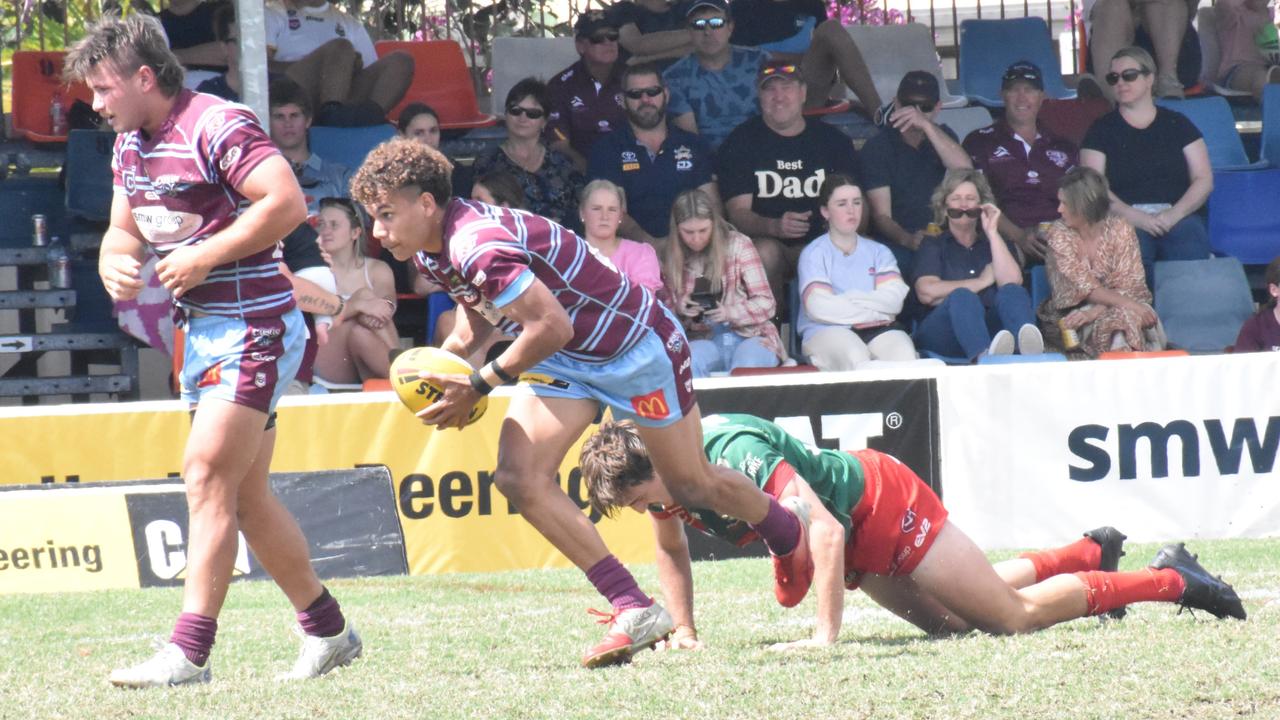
599 339
874 524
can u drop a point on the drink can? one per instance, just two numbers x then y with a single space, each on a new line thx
1070 338
39 231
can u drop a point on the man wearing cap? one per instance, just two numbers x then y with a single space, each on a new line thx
905 163
1022 161
713 89
772 167
648 159
585 99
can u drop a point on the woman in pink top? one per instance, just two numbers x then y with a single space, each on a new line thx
602 207
1243 65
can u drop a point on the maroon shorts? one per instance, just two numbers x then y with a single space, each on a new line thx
895 522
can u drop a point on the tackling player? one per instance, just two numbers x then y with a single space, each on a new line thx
600 340
874 524
198 183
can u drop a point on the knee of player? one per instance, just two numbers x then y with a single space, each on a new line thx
514 483
206 490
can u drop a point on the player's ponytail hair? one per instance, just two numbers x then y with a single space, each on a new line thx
613 460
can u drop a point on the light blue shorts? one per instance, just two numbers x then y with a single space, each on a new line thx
247 361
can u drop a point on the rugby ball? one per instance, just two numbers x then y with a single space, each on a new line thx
416 393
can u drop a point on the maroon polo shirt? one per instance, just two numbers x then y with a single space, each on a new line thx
1025 183
582 109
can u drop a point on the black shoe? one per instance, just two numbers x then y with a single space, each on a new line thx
1111 541
361 114
1203 591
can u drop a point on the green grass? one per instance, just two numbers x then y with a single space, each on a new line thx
506 646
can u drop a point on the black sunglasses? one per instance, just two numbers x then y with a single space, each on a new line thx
604 37
531 113
925 106
957 213
638 93
714 23
1127 75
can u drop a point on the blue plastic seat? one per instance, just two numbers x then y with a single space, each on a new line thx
89 174
1018 359
1213 117
1202 303
1040 288
988 47
1244 219
437 304
1271 125
348 146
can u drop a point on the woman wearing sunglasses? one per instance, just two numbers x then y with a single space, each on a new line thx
548 178
1156 162
969 280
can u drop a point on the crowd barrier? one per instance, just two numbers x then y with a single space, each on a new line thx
1024 455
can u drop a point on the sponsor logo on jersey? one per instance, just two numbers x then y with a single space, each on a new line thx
675 341
230 158
577 102
260 379
908 521
1057 157
925 526
1000 152
652 406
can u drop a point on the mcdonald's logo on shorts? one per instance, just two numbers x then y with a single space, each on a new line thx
652 406
211 377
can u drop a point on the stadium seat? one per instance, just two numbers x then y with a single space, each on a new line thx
1131 355
1271 125
964 120
1211 53
1244 221
516 58
782 370
1018 359
437 303
1202 303
1040 289
37 77
348 146
442 80
1213 117
987 47
376 385
891 51
88 175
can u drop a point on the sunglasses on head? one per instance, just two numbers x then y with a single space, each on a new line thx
638 93
779 70
925 106
604 37
531 113
957 213
1127 75
712 23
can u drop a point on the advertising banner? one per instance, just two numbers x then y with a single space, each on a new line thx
65 540
1163 449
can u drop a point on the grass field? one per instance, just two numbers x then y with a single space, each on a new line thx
506 646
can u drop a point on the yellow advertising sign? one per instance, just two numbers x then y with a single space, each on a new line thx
454 519
64 541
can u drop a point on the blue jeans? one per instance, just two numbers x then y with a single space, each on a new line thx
1188 240
726 350
962 327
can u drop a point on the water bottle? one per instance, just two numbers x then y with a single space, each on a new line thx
59 264
728 342
57 118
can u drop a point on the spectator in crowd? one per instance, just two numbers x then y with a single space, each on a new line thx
905 162
499 187
969 280
1160 27
713 90
772 167
1244 66
228 83
1261 333
850 288
652 31
1100 300
189 26
550 182
329 53
1023 161
798 31
290 118
649 159
316 293
358 349
586 98
421 122
719 290
1156 163
603 206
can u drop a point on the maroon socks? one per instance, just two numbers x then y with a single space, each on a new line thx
322 618
780 529
617 585
194 634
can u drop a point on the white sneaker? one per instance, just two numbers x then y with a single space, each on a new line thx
630 631
169 666
1030 341
1001 344
319 655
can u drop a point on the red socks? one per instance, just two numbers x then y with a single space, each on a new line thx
323 617
1081 555
1107 591
617 585
194 634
